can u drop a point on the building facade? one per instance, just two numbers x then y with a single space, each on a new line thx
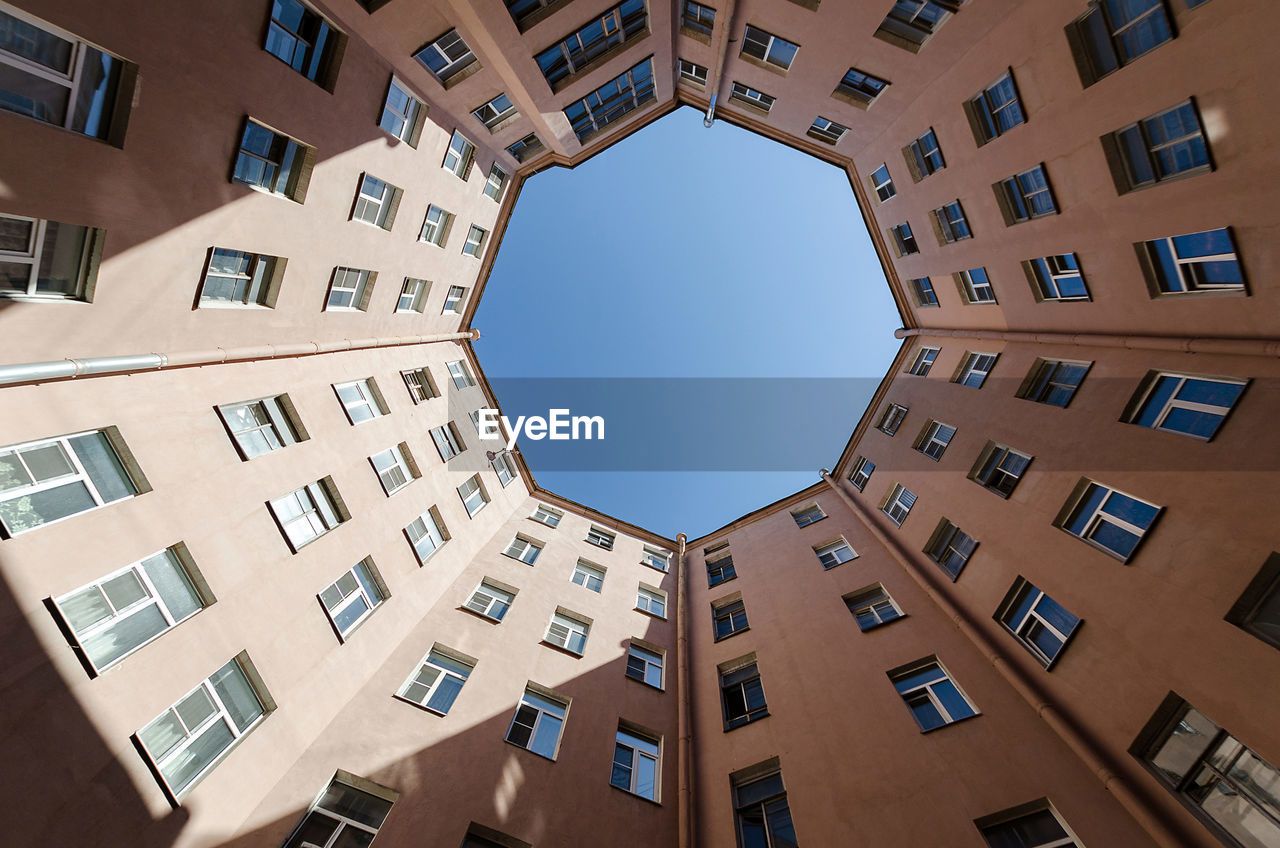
1034 602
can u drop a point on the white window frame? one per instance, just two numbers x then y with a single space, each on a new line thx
318 512
927 690
990 472
259 279
1024 628
904 240
808 514
447 441
446 667
651 660
461 374
491 115
420 385
275 424
33 257
343 824
628 740
601 538
543 707
411 118
1188 267
435 226
444 46
486 598
413 295
397 469
357 282
934 438
426 528
751 96
833 553
562 630
892 417
77 474
459 156
1047 274
976 291
473 494
693 72
876 602
592 576
503 467
524 549
544 514
495 184
859 476
1173 403
944 547
652 601
371 592
1043 379
924 359
152 598
763 43
1098 517
656 558
454 299
474 245
885 189
898 503
376 208
975 366
368 401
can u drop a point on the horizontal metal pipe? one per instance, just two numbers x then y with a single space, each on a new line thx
1255 346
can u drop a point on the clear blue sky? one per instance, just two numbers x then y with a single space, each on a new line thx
689 252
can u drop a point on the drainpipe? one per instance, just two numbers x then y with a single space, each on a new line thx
1164 833
1248 346
684 722
97 366
716 74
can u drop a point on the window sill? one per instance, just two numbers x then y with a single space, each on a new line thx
651 614
634 795
504 123
531 751
644 684
402 699
863 103
562 650
480 615
517 559
695 34
598 545
731 635
950 723
761 63
730 729
880 624
749 104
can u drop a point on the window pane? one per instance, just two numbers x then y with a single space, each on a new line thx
237 695
42 507
103 466
108 645
184 768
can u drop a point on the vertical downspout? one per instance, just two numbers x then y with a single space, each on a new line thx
1163 832
684 724
716 74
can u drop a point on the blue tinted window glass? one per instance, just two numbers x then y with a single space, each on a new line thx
926 713
926 675
1131 510
1208 243
951 699
446 693
1166 268
1201 424
1210 392
1090 503
1161 392
1115 538
1053 612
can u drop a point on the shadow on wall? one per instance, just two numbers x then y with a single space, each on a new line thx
61 782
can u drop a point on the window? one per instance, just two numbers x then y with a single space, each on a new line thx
273 163
1188 406
651 600
600 538
525 148
118 614
1160 147
491 600
403 114
47 259
1258 609
474 497
526 13
741 693
460 156
262 426
1223 781
922 288
1025 196
187 740
951 224
588 576
435 227
426 534
923 156
861 473
1108 519
496 183
930 694
974 369
995 110
891 418
1034 825
768 49
910 23
438 680
924 360
1039 622
636 761
882 183
751 97
420 385
376 202
644 664
612 101
655 558
897 505
950 547
1053 381
568 632
1113 33
692 72
361 400
582 49
349 812
45 481
1198 263
729 618
454 300
413 295
1056 278
975 286
872 607
525 550
760 812
903 240
236 278
548 516
304 41
860 89
350 289
934 438
834 553
447 57
54 77
538 721
475 241
698 18
395 468
351 598
719 566
308 513
806 515
496 112
999 469
461 375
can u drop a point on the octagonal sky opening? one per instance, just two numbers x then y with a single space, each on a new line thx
686 252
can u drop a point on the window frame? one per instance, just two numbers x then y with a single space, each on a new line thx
34 256
651 601
974 290
383 205
894 502
538 699
923 361
869 601
1072 512
436 230
592 576
631 738
764 43
572 625
725 611
417 290
859 467
550 513
892 418
1160 285
899 676
975 366
521 550
989 471
430 521
326 505
950 548
984 109
448 665
476 497
493 117
450 72
490 595
1046 273
751 97
370 399
401 461
1040 385
649 657
373 593
829 553
360 286
920 156
462 152
808 514
282 422
1022 623
859 88
412 117
287 167
1020 195
601 538
737 677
